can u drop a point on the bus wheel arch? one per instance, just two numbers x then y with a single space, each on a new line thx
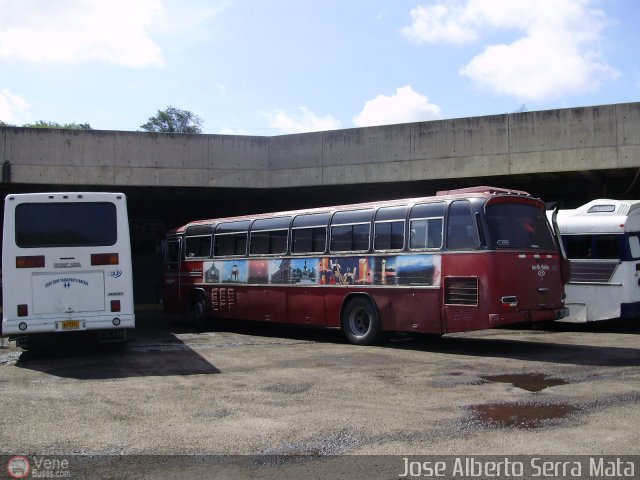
360 320
199 307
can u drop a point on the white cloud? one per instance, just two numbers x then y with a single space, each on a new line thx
73 31
557 50
12 107
406 105
306 121
233 131
442 22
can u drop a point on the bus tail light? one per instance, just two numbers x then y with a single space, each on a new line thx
23 310
509 301
104 259
115 305
30 262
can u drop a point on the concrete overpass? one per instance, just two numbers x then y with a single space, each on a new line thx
567 155
588 139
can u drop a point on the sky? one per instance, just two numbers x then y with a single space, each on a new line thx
274 67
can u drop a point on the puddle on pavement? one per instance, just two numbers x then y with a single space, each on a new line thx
524 416
288 388
215 413
533 382
330 445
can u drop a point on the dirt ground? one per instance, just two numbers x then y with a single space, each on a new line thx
276 391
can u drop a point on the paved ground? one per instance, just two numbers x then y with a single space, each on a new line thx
255 389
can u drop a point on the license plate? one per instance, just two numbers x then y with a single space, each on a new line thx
543 298
71 325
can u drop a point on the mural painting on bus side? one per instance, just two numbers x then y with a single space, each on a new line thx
375 270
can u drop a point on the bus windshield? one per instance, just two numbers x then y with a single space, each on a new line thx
519 226
87 224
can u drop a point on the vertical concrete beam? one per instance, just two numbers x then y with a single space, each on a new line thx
295 160
628 135
466 147
563 140
237 161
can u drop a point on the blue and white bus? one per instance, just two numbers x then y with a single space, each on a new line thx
66 266
602 243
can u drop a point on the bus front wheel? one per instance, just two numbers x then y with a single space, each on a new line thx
360 322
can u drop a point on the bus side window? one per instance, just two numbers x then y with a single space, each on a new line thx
230 239
577 246
389 228
425 226
269 236
461 233
268 242
634 245
309 233
608 246
593 246
309 240
229 244
197 247
350 231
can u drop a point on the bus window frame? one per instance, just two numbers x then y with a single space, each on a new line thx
269 254
173 264
345 223
427 249
293 228
186 240
404 235
399 219
235 228
324 249
228 234
18 234
632 248
472 223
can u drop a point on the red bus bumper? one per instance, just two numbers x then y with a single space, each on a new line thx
507 318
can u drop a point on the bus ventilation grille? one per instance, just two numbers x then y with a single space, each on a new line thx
461 291
592 272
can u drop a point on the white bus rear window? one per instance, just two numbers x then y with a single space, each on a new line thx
48 225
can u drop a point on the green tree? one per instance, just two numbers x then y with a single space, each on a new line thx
173 120
71 126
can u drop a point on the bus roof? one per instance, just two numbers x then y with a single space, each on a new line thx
63 196
474 192
601 216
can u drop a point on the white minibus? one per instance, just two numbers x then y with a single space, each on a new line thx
602 243
66 266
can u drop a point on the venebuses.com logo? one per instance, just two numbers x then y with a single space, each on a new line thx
36 466
18 467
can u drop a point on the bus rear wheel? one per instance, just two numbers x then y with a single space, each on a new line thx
360 322
200 311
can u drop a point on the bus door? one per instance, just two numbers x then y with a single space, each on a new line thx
172 275
461 268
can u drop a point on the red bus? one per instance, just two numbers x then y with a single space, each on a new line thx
462 260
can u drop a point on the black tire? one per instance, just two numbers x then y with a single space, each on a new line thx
360 322
200 311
